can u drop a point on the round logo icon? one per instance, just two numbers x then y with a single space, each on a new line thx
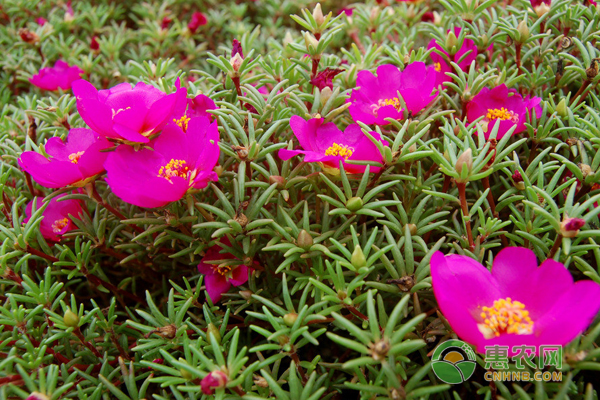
453 361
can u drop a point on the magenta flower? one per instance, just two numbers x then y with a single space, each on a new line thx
41 21
198 19
60 76
214 380
56 221
376 98
518 303
326 144
218 277
442 66
71 164
126 113
199 105
183 158
503 106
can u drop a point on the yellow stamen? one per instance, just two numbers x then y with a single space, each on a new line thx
59 225
339 150
501 114
390 102
182 122
437 66
74 157
505 317
174 168
222 270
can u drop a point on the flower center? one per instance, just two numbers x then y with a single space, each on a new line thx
222 270
390 102
74 157
505 316
59 225
501 114
174 168
339 150
437 66
182 122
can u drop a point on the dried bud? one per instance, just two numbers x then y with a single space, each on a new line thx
71 319
241 219
517 177
354 204
465 160
562 109
523 30
397 393
318 15
592 71
37 396
586 170
380 349
167 332
305 241
211 328
451 43
358 259
260 381
405 283
28 37
290 319
570 227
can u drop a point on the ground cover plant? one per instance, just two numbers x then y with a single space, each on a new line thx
284 199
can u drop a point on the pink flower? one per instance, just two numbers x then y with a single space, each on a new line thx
56 221
376 98
326 144
126 113
440 64
346 10
214 380
60 76
542 306
183 158
71 163
503 106
198 19
199 106
219 276
41 21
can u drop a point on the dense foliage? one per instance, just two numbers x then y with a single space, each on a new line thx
338 303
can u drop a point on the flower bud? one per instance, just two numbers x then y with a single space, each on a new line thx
310 42
246 294
305 240
570 227
236 62
358 259
374 14
523 30
287 39
71 319
561 109
465 160
185 374
290 319
279 180
37 396
326 93
354 204
412 228
211 328
451 42
318 15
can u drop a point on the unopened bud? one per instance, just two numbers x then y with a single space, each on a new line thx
305 240
561 109
290 319
412 228
218 170
318 15
465 160
236 62
451 43
437 18
310 42
185 374
246 294
570 227
279 180
354 204
523 30
71 319
211 328
374 14
326 93
358 259
212 381
287 39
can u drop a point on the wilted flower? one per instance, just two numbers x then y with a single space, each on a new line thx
325 78
166 21
214 380
198 19
503 106
60 76
126 113
183 158
326 144
218 278
570 227
28 36
518 303
70 163
376 98
56 221
94 45
442 66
